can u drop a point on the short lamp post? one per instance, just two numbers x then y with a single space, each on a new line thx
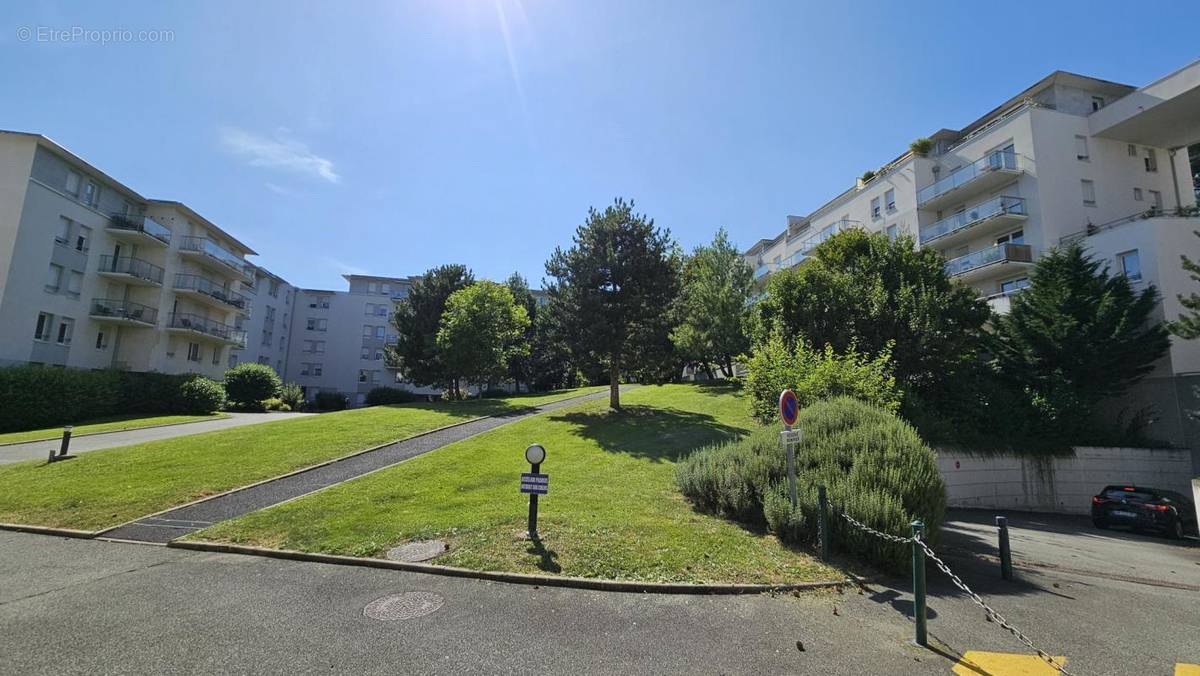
535 455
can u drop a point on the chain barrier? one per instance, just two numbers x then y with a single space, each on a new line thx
991 613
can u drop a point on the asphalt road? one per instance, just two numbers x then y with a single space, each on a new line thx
38 450
77 606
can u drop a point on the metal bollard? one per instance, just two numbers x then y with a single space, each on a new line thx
66 441
823 516
1006 571
918 571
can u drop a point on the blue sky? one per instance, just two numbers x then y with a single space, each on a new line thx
389 137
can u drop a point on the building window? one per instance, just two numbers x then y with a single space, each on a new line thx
875 208
101 341
1156 197
1081 147
892 232
366 353
315 324
378 355
63 236
274 289
83 239
362 375
1014 285
379 331
233 359
889 198
73 180
372 287
1097 103
54 278
216 356
1137 194
74 284
1131 265
1131 149
1017 237
1089 192
1151 161
385 288
65 327
193 352
44 321
368 330
91 194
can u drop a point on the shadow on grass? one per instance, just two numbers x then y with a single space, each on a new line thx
647 432
547 558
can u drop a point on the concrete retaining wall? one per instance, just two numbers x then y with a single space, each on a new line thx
1060 485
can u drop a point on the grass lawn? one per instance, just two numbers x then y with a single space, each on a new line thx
113 424
100 489
613 510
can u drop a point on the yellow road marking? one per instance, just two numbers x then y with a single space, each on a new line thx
981 663
1182 669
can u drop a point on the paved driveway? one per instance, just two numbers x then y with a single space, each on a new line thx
36 450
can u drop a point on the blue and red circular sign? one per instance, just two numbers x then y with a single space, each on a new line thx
789 407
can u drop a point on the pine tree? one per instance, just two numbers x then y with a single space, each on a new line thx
1188 324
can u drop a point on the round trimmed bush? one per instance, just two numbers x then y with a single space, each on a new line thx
247 385
874 465
201 396
383 396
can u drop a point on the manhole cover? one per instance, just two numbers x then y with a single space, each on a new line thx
417 551
404 606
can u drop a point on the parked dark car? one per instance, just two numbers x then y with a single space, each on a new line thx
1143 508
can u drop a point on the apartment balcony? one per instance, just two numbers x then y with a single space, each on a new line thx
205 328
214 257
990 262
982 219
806 248
208 292
988 173
763 270
130 270
1001 303
123 313
137 229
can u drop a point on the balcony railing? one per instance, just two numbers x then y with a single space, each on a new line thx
1012 253
143 224
993 161
220 330
134 267
123 309
210 288
214 251
980 212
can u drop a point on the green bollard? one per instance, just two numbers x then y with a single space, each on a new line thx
823 516
918 571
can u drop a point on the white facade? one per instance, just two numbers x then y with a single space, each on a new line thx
270 300
93 275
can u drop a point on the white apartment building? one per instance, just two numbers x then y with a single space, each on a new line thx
267 325
338 338
94 275
1071 158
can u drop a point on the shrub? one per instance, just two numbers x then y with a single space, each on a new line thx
200 396
292 395
382 396
874 465
815 376
921 146
246 385
493 393
329 401
39 396
275 404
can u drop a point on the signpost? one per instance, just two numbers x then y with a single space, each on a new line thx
534 483
789 411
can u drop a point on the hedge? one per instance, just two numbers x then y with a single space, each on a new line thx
382 396
33 397
874 465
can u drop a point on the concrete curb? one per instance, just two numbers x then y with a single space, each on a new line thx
47 530
594 584
223 416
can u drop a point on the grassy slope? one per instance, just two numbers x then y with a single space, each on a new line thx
115 424
104 488
613 510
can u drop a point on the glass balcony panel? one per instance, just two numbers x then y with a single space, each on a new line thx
997 159
979 212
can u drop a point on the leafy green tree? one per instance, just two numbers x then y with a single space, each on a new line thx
417 319
246 385
1188 324
521 364
711 308
480 331
1075 337
867 292
610 293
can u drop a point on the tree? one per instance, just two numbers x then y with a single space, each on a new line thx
711 308
610 293
480 331
521 364
246 385
1075 337
865 292
417 319
1188 324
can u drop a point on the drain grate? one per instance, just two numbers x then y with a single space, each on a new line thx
422 550
406 606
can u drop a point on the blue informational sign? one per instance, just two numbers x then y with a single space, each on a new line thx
537 484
